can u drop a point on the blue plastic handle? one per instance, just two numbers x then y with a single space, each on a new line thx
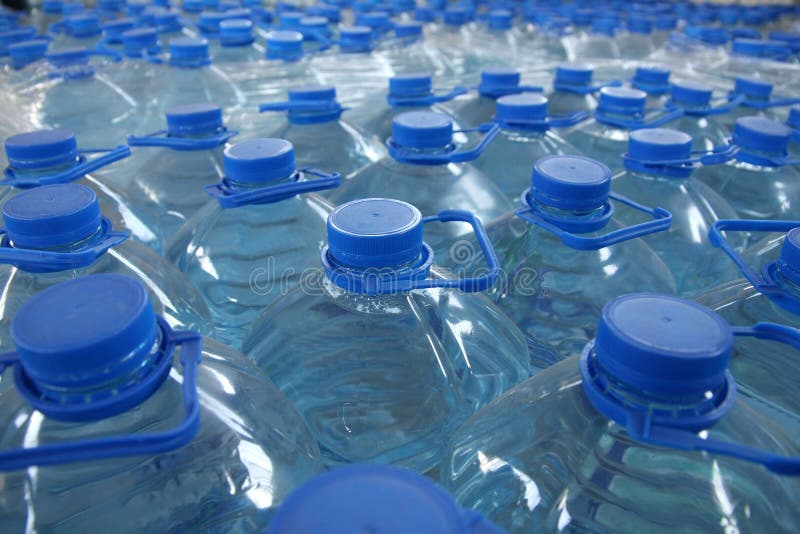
565 229
130 444
796 136
230 196
162 138
84 166
763 282
666 116
765 104
374 282
404 155
584 89
730 104
427 100
47 261
541 125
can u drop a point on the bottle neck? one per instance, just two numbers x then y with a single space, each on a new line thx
45 171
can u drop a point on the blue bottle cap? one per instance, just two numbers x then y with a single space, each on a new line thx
639 25
661 344
574 74
424 14
500 19
521 107
291 19
748 47
286 45
375 232
27 52
713 35
408 29
583 16
407 85
314 24
84 25
794 118
188 52
370 498
41 149
752 87
422 129
259 160
659 144
788 37
117 27
692 93
622 100
745 33
64 57
194 119
777 50
51 216
604 26
651 79
499 81
572 183
789 261
456 16
192 6
374 20
167 19
355 39
89 331
52 7
139 39
761 134
209 21
312 92
332 13
236 32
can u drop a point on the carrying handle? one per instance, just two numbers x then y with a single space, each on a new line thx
404 155
662 219
130 444
427 100
666 116
85 166
43 261
162 138
765 104
230 196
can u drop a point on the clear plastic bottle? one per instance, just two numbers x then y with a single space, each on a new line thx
641 433
564 254
137 426
382 355
426 169
257 238
57 232
381 498
637 41
658 172
700 114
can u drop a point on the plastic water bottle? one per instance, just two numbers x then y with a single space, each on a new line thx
602 441
408 92
527 134
258 238
564 254
172 166
57 232
498 40
130 412
620 110
698 48
767 293
663 26
479 107
573 89
701 110
421 170
311 119
658 171
53 157
761 181
455 42
382 354
597 44
380 498
235 48
83 29
353 66
73 94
